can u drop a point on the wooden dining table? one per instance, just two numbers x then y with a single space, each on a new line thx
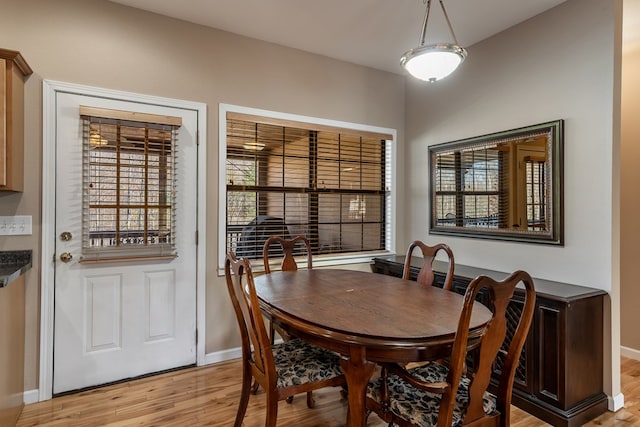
366 318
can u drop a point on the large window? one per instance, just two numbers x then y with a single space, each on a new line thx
289 178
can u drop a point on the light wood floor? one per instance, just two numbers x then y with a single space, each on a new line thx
208 396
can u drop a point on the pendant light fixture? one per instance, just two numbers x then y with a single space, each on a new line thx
435 61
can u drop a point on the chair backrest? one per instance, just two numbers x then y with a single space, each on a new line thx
288 246
247 308
426 276
491 343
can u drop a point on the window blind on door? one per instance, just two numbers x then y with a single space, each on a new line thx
129 191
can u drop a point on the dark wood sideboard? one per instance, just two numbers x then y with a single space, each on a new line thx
560 377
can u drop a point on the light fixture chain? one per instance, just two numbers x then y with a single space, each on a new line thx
446 16
424 24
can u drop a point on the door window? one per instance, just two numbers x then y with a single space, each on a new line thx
129 184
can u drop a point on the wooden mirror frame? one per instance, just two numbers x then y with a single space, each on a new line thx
505 206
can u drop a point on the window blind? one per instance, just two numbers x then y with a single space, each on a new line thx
291 179
469 187
535 193
129 184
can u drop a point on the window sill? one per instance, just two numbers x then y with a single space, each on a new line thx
257 265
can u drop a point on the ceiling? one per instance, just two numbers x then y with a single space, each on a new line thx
372 33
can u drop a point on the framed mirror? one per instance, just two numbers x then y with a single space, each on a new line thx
505 185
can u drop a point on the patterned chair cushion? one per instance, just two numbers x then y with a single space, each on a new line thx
420 407
298 362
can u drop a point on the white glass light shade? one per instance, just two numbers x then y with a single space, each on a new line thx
434 62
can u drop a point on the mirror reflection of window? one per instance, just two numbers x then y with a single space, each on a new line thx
535 182
469 187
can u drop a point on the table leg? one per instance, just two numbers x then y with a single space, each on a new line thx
357 371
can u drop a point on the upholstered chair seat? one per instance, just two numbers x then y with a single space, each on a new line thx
420 407
298 362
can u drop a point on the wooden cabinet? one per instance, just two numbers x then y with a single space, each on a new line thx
13 72
11 351
13 266
560 376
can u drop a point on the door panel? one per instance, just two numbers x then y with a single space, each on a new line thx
160 299
120 319
103 310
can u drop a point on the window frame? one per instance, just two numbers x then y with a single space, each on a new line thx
319 260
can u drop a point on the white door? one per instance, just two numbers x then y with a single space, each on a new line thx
116 320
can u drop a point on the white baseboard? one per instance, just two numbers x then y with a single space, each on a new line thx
31 396
229 354
615 403
631 353
222 356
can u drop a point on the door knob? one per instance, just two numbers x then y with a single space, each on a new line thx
66 257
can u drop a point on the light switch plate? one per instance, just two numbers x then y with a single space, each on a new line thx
15 225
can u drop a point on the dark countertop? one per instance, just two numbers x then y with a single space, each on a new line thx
12 265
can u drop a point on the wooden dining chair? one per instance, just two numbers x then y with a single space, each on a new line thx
287 247
436 394
426 276
282 370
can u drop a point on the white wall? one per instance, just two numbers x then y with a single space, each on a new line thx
559 65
